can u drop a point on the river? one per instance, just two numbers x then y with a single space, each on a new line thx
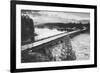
81 46
45 32
80 43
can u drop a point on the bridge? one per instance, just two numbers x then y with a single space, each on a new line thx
55 48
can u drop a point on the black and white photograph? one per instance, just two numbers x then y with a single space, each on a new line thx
52 36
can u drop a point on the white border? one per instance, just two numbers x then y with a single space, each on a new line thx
20 65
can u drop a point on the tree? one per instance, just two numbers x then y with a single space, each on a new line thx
27 29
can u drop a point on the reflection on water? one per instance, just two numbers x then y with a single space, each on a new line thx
45 32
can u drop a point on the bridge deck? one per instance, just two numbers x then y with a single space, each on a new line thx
24 47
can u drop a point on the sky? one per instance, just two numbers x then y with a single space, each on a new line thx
57 17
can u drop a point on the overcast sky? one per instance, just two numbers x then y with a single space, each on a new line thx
53 16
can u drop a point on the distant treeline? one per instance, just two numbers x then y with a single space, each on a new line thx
65 26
